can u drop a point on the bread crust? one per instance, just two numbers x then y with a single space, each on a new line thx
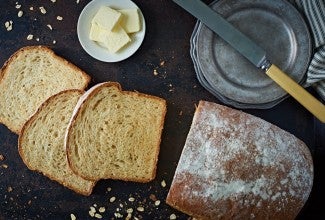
3 72
93 91
237 166
21 137
48 50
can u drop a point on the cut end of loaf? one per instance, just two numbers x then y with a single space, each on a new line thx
29 77
116 134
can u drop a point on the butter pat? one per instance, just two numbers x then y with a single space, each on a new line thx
113 40
96 33
116 39
130 20
110 27
106 18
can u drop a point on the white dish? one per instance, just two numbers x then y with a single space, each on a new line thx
94 49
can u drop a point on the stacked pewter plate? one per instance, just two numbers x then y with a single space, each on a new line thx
277 27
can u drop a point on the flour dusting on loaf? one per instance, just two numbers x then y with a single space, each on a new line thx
237 166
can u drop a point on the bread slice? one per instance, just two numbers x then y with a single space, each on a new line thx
115 134
41 142
29 77
237 166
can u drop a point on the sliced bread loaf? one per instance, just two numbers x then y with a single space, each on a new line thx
237 166
115 134
29 77
41 142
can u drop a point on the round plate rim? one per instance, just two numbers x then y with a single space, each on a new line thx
93 48
202 61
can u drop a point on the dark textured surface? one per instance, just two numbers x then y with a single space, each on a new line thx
28 195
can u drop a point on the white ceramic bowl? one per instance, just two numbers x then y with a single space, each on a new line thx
94 49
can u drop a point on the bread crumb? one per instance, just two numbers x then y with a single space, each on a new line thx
20 14
171 88
77 1
53 1
95 205
29 202
155 72
102 209
18 6
54 41
4 166
31 8
172 217
43 10
121 205
9 25
109 189
30 37
1 157
140 209
9 189
112 199
49 26
131 199
157 203
163 183
73 217
59 18
37 39
162 63
153 197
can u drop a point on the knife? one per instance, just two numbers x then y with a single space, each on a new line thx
253 52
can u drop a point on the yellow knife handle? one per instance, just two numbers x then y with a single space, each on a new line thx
297 92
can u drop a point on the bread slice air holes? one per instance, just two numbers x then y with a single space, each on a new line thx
97 103
119 125
46 152
29 73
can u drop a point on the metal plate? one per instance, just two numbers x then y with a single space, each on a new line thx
275 25
203 81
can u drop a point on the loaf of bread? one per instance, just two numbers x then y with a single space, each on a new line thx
237 166
115 134
41 142
28 78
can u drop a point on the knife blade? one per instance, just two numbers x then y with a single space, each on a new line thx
253 52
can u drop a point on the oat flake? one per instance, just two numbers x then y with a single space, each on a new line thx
8 25
140 209
172 217
73 217
42 9
30 37
20 14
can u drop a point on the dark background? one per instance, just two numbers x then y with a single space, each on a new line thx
169 28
